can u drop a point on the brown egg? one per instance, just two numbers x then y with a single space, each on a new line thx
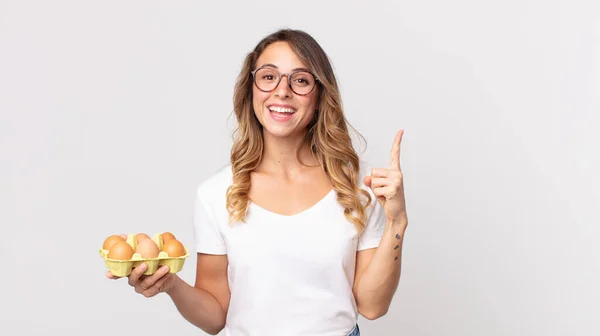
167 236
147 248
111 240
120 251
141 236
174 248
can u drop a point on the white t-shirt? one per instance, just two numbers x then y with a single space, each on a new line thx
288 275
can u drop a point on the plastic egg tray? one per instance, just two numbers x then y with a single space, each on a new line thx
123 268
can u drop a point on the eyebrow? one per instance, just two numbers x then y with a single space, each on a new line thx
275 66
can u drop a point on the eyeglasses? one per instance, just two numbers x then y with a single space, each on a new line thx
301 82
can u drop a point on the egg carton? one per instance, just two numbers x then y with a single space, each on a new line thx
122 268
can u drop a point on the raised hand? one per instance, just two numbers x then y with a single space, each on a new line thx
387 184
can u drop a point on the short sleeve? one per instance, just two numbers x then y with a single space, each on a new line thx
376 221
371 235
207 233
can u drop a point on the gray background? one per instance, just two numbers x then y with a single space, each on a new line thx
111 113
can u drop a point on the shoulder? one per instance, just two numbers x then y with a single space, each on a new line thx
365 168
214 187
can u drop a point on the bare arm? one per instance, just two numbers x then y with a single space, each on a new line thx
206 303
378 272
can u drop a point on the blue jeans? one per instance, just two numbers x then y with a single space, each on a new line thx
355 331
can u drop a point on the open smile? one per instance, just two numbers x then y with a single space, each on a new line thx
281 112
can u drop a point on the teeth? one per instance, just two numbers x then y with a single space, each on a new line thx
281 109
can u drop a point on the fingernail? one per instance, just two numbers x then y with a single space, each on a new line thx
166 269
143 267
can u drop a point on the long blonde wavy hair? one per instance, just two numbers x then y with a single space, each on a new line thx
327 134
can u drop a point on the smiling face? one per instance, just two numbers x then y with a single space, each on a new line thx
282 112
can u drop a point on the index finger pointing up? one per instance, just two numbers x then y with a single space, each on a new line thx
395 152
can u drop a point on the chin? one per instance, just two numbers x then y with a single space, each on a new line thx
282 129
279 131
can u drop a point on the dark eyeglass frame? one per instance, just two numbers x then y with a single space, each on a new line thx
288 75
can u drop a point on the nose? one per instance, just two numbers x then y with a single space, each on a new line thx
283 88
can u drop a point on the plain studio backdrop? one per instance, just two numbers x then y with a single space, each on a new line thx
112 112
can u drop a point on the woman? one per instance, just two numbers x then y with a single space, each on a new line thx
297 236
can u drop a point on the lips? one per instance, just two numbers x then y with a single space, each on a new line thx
281 113
282 109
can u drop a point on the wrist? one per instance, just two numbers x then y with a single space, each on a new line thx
174 285
398 222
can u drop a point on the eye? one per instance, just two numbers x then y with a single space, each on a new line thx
302 80
266 75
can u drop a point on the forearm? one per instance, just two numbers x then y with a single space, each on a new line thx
198 306
380 280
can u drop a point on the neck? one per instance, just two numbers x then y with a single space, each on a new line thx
280 155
